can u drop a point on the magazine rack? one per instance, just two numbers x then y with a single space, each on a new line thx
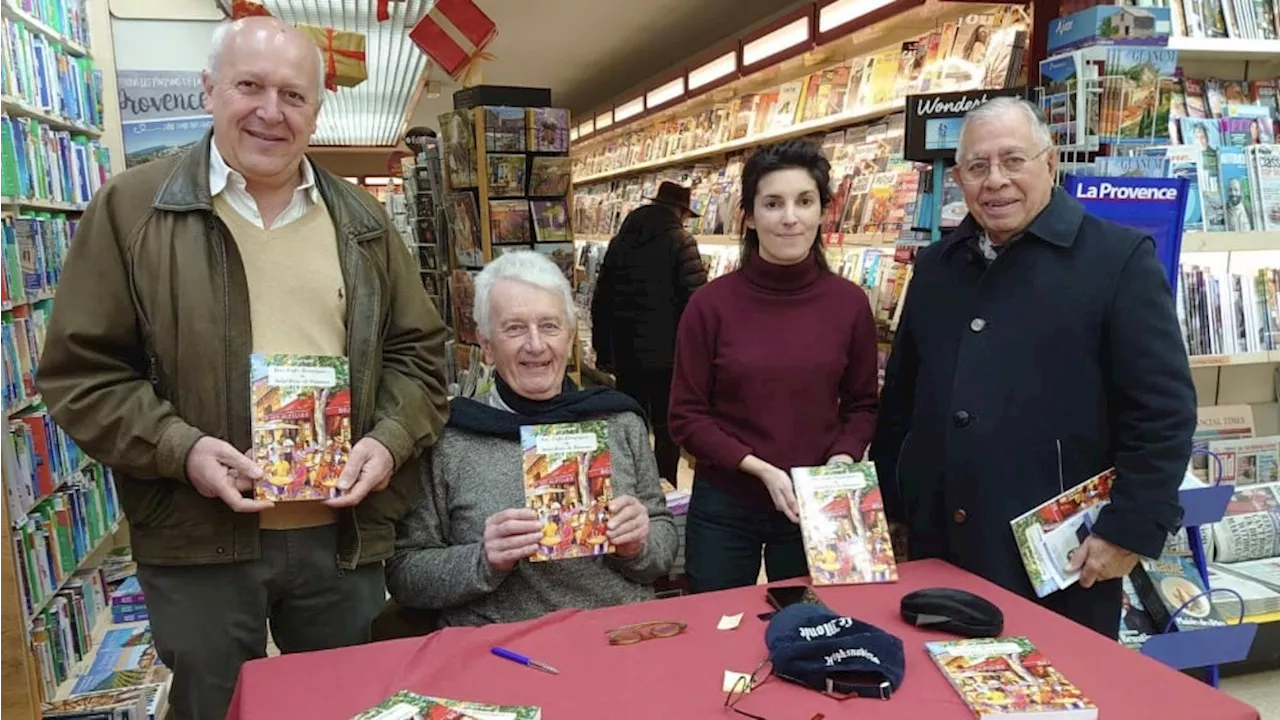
1207 647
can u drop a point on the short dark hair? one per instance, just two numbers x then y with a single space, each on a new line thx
784 155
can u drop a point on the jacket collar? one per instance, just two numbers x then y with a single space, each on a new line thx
221 174
187 190
1057 224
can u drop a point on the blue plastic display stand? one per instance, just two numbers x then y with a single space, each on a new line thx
1205 647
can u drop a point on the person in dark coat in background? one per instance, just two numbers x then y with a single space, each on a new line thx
646 279
1038 346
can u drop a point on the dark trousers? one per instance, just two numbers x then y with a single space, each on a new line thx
651 387
724 539
208 620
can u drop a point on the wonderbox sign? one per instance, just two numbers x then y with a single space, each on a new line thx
1153 206
934 120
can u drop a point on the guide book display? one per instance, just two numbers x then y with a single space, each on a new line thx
846 535
568 481
1009 678
301 425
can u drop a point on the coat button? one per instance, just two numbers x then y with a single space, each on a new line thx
960 516
977 324
221 550
961 419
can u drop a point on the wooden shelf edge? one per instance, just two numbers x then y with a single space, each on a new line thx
15 106
1195 242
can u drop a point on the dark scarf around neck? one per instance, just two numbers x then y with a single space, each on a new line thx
571 405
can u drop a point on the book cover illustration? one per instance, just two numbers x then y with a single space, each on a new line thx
1047 534
560 253
549 130
1009 677
846 535
464 226
301 424
509 222
551 221
506 175
1237 195
114 668
406 705
464 300
458 131
550 176
138 701
1172 583
1137 94
504 129
568 481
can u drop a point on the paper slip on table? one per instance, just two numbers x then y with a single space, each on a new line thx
681 676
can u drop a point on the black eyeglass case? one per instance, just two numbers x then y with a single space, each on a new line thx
952 610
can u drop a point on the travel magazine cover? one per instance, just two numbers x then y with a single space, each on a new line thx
568 481
846 535
301 425
407 705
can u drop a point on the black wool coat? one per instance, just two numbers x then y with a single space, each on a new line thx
1010 383
647 276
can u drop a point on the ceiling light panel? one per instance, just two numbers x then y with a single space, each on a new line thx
373 112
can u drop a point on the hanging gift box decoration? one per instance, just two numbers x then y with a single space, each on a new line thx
384 10
246 8
472 28
344 60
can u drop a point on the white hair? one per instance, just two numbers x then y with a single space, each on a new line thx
219 40
526 266
998 106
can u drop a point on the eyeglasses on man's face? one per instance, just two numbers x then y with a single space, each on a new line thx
1013 165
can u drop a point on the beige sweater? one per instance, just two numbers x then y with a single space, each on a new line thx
297 304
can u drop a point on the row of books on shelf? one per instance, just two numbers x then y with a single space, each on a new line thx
506 130
40 73
1238 19
511 222
54 538
34 245
21 339
43 164
1225 312
979 50
69 19
94 652
1089 22
45 459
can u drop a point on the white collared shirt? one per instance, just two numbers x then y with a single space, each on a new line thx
225 179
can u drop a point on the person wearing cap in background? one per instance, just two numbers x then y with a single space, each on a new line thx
649 273
1038 346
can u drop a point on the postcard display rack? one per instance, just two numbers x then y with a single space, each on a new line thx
56 156
507 176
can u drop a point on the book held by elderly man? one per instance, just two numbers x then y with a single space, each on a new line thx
568 481
1047 533
301 425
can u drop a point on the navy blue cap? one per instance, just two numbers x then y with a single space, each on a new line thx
820 649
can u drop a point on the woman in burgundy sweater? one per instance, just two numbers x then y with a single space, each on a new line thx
775 368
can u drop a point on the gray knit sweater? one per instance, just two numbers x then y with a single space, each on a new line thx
439 562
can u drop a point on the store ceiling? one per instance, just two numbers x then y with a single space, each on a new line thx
587 51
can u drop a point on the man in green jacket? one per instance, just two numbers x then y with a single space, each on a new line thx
182 268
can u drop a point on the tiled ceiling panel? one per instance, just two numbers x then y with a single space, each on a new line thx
373 112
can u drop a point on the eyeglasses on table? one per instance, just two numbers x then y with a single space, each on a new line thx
835 689
639 632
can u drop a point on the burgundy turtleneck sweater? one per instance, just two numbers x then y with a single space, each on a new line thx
778 362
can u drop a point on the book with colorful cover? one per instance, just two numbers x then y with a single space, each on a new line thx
1172 584
406 705
1047 533
568 482
1009 678
301 424
846 534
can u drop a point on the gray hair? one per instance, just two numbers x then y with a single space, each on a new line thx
526 266
219 40
997 106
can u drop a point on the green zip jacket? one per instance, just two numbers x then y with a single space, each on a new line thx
148 346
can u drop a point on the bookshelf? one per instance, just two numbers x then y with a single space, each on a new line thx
59 510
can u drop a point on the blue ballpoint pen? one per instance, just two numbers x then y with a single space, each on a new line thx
517 657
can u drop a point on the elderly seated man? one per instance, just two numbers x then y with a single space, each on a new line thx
464 550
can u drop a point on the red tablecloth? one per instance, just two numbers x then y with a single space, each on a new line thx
681 677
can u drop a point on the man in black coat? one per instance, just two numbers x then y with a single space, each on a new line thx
1038 346
646 279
